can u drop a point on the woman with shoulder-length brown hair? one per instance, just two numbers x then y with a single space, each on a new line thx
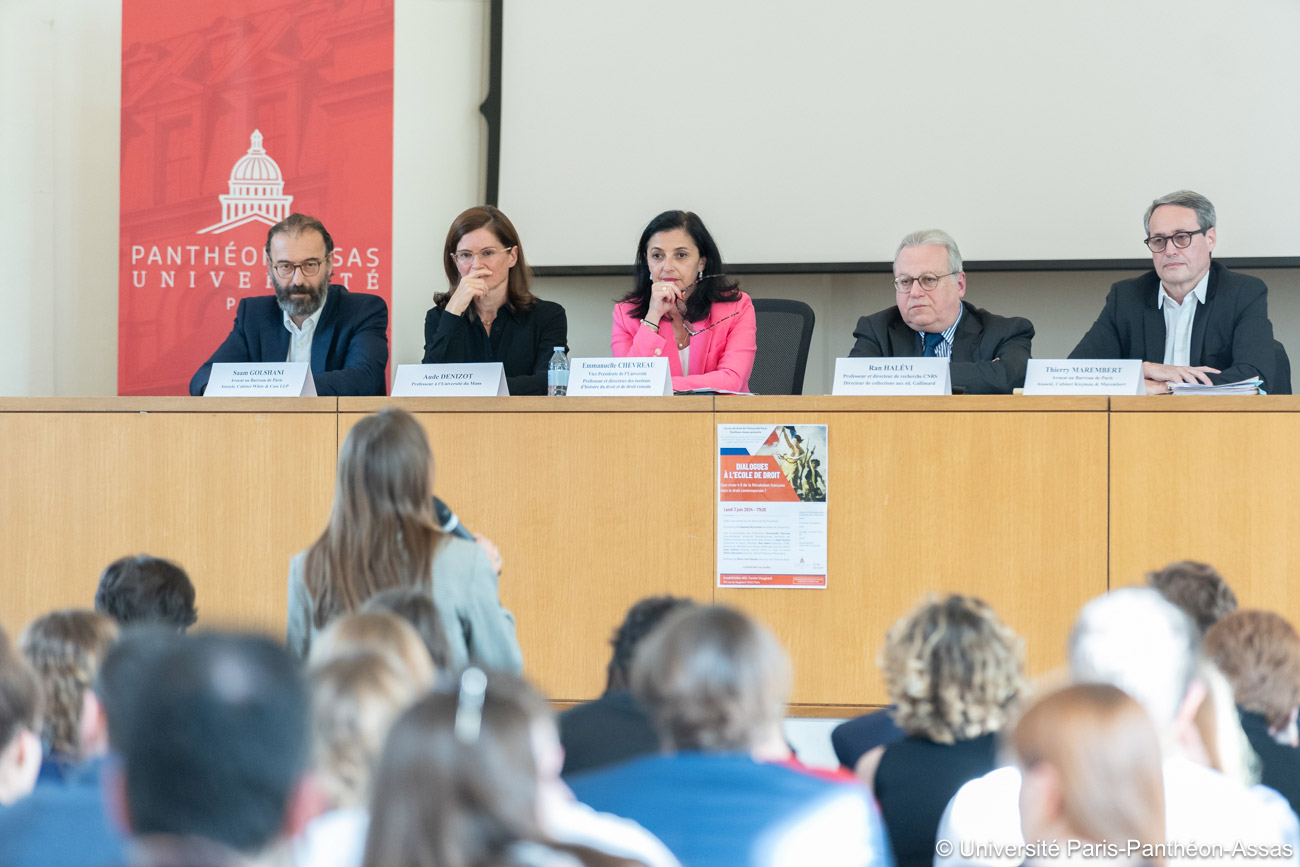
953 671
464 781
489 312
382 533
1089 760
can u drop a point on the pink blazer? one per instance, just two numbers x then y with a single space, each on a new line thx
721 357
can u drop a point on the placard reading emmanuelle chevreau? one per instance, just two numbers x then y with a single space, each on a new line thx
772 505
619 377
879 376
477 379
1084 376
280 379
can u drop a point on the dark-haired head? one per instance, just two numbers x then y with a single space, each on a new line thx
519 296
293 226
143 589
712 286
218 743
641 619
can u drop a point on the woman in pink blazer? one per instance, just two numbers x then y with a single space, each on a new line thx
685 309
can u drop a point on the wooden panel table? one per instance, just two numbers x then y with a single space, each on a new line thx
1213 479
998 497
594 503
228 487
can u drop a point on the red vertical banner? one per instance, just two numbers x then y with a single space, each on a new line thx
236 113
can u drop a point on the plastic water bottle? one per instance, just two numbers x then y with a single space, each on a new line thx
557 373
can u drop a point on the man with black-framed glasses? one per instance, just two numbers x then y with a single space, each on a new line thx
1189 319
989 353
342 334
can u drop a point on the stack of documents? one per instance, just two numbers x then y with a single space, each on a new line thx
1245 386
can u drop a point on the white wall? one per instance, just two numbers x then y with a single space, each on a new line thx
60 89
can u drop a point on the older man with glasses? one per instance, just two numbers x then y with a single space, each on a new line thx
343 335
988 352
1189 319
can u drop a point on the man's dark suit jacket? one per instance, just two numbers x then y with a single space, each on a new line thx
981 337
1231 330
349 351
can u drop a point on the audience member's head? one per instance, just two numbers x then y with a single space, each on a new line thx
1259 653
375 632
381 531
1133 639
65 648
143 589
20 724
1197 588
712 679
354 700
457 781
123 676
641 618
218 743
952 669
1091 769
416 607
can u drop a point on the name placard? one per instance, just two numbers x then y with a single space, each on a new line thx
278 379
485 379
1084 376
621 377
877 376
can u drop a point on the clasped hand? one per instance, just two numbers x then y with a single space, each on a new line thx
472 287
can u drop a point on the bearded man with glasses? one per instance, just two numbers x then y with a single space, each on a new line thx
344 335
988 352
1188 319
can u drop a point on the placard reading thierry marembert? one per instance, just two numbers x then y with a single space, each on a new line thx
877 376
619 377
772 505
479 379
1084 376
280 379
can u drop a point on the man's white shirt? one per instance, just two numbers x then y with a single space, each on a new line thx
1178 321
300 337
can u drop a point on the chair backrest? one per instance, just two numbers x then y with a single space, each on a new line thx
1281 383
784 334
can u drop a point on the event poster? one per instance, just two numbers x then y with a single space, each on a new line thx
236 113
772 505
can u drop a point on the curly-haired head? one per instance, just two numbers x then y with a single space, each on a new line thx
1259 653
1197 588
65 648
953 669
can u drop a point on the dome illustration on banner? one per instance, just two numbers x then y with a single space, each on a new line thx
256 191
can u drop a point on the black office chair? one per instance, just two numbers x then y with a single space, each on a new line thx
1281 383
784 334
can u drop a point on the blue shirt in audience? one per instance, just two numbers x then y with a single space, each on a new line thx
62 824
727 810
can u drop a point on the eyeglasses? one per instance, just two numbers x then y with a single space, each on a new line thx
284 270
1157 243
467 257
928 281
692 332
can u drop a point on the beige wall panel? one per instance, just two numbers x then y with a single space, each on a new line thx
1213 479
229 495
1007 506
592 510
